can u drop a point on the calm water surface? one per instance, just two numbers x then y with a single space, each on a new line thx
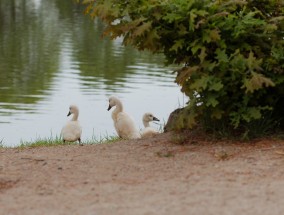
52 56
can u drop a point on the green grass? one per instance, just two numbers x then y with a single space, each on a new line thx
48 141
261 128
2 143
102 139
57 141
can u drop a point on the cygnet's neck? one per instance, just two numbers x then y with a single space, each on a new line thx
75 116
118 106
118 109
146 123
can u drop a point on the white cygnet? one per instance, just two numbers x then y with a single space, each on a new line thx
72 130
149 131
123 123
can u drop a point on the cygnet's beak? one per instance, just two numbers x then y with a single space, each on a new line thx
156 119
69 113
109 107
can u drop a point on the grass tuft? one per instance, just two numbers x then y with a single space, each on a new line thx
260 128
57 140
48 141
102 139
2 143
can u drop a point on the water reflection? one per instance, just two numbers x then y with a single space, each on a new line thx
51 55
29 53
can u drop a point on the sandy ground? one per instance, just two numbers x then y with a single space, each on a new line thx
151 176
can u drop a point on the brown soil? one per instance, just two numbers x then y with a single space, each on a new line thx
151 176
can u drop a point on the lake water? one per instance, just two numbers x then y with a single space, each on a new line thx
51 56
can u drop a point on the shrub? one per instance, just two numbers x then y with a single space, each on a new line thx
231 53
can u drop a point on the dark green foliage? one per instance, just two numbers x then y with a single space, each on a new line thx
231 51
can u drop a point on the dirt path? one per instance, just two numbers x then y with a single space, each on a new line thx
151 176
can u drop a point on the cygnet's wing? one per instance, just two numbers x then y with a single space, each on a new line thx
149 132
125 126
71 131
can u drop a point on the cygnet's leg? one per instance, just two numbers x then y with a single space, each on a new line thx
81 144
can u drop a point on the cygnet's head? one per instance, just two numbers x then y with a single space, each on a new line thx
112 102
148 117
72 110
